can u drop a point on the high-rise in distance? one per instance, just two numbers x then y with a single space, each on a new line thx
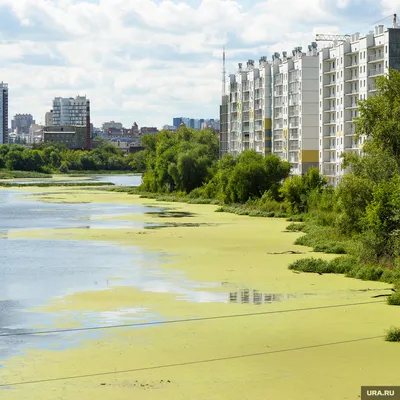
3 113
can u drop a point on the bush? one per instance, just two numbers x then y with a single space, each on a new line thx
393 335
295 227
310 265
394 299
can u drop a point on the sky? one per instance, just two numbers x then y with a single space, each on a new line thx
148 61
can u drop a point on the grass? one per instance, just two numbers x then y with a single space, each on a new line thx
4 184
6 174
349 266
102 172
243 210
322 239
393 335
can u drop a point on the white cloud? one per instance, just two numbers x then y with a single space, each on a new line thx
151 60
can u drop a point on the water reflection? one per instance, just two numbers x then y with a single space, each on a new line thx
247 296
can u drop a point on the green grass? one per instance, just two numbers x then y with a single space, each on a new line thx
393 335
296 227
6 174
4 184
322 239
103 172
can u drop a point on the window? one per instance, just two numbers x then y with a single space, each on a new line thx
385 49
341 60
360 69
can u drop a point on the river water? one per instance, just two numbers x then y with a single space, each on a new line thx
34 272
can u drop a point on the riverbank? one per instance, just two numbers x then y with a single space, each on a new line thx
232 252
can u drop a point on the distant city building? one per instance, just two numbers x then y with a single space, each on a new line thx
36 133
193 123
73 137
48 118
73 112
171 128
176 122
21 123
112 124
144 130
3 113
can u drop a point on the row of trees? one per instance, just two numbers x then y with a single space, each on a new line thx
56 158
365 206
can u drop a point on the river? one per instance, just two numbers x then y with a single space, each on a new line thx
33 272
73 258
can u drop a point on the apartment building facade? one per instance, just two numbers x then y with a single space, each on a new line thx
295 108
347 71
3 113
73 112
248 106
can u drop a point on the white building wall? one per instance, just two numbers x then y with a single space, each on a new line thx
346 75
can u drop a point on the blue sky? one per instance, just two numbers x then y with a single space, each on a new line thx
150 60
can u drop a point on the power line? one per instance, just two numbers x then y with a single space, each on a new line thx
139 324
187 363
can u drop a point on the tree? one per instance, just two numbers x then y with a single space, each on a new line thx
380 117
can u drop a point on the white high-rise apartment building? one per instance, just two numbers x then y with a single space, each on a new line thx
71 111
3 113
295 108
347 71
249 109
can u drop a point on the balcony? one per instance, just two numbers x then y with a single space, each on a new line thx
258 116
294 110
376 71
330 122
329 172
352 65
353 79
293 102
352 92
330 96
278 93
375 57
330 71
372 88
351 106
278 136
258 138
330 84
294 124
278 81
330 110
330 147
278 116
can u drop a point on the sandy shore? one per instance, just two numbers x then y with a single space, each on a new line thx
288 355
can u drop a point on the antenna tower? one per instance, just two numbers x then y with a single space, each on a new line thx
223 73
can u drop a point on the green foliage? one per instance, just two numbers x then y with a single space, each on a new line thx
180 161
393 335
295 227
394 299
296 191
53 158
380 117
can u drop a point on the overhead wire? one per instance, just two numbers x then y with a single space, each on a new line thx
155 367
175 321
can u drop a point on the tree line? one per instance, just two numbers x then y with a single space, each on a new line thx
57 158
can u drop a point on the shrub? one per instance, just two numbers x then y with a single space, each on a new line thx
295 227
393 335
394 299
310 265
